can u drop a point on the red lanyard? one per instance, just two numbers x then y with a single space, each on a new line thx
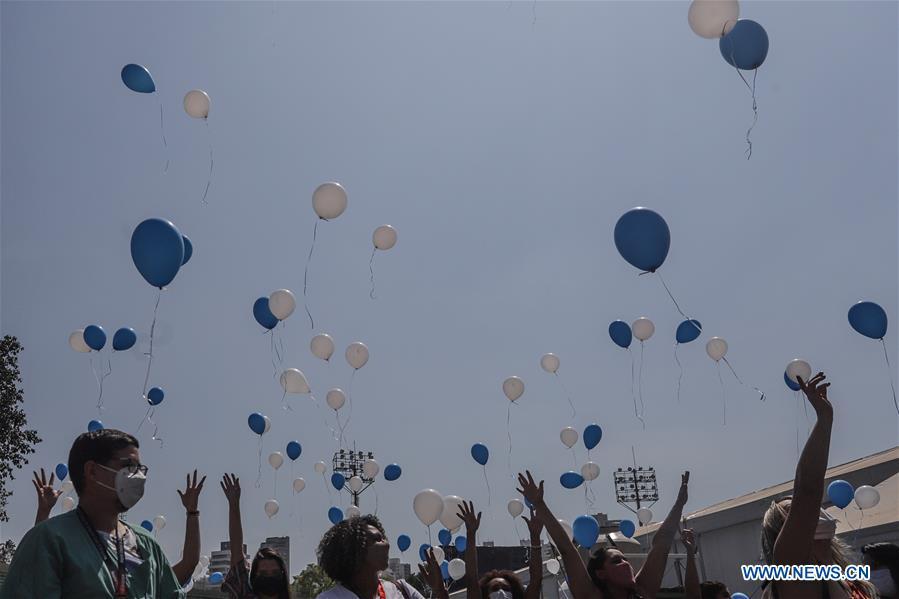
118 570
381 593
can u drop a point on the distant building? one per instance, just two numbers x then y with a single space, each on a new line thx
281 545
220 561
399 569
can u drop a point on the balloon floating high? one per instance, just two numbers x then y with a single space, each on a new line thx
138 79
263 314
322 346
335 515
294 450
799 369
461 544
384 238
282 303
713 18
586 531
76 342
62 471
256 422
428 506
870 320
155 396
643 238
124 339
866 497
392 472
621 334
840 493
338 480
157 249
444 536
147 525
627 528
592 436
480 453
687 331
745 47
196 104
94 426
571 480
188 250
793 385
94 337
329 200
403 542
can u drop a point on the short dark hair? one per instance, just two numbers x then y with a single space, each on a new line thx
97 446
507 575
268 553
342 548
710 589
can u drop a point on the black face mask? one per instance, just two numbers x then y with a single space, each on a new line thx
267 585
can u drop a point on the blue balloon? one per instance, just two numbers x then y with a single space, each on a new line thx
480 453
746 46
586 531
869 319
461 543
263 314
840 493
687 331
94 426
571 480
62 471
403 542
739 596
155 396
423 551
528 503
188 250
294 450
94 337
793 385
138 79
392 472
592 436
627 528
444 536
642 238
338 480
157 250
620 332
124 339
257 423
147 525
335 515
216 578
444 569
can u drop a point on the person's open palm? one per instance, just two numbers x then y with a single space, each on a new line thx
817 393
466 512
191 495
46 495
530 489
231 487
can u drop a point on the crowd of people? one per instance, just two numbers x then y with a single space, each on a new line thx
90 552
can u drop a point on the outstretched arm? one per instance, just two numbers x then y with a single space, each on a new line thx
692 589
231 487
46 496
430 573
649 578
535 563
190 555
472 523
794 543
581 584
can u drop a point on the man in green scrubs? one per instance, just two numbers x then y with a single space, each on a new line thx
89 552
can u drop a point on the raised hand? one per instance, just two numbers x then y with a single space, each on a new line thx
689 541
682 494
191 494
46 495
817 394
530 489
231 487
430 571
472 521
535 525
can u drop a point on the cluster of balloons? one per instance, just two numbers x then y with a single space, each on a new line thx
258 423
841 493
159 250
138 79
278 306
93 338
430 506
743 43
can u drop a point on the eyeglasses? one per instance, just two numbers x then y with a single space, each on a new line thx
135 468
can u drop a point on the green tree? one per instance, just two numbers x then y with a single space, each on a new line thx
16 441
310 582
7 549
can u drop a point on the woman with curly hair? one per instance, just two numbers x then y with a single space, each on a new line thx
352 553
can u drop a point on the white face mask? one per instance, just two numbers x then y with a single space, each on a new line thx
501 594
883 580
827 527
128 487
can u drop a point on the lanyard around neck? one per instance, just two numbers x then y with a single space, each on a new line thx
116 567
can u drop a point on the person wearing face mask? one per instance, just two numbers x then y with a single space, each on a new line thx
267 576
352 553
883 558
89 552
795 530
608 574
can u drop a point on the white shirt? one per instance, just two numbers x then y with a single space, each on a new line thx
390 592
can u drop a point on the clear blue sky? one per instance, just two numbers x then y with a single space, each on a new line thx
503 150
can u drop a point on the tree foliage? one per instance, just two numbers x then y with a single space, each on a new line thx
310 582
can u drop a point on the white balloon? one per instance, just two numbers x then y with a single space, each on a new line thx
515 507
335 398
513 387
713 18
428 506
456 569
298 485
550 363
643 328
567 527
355 484
322 346
568 437
449 517
276 459
204 560
196 104
67 487
271 507
716 348
282 303
552 566
370 468
67 503
320 467
590 471
384 237
439 554
159 523
644 515
329 200
799 368
76 342
352 512
357 354
294 381
268 424
866 497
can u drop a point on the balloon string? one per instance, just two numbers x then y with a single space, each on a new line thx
306 274
509 431
101 380
757 390
371 270
99 387
680 377
799 401
150 414
889 372
574 456
259 470
567 394
633 392
273 353
723 392
165 144
284 403
676 305
150 353
517 532
487 482
640 385
350 395
751 88
275 496
211 163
